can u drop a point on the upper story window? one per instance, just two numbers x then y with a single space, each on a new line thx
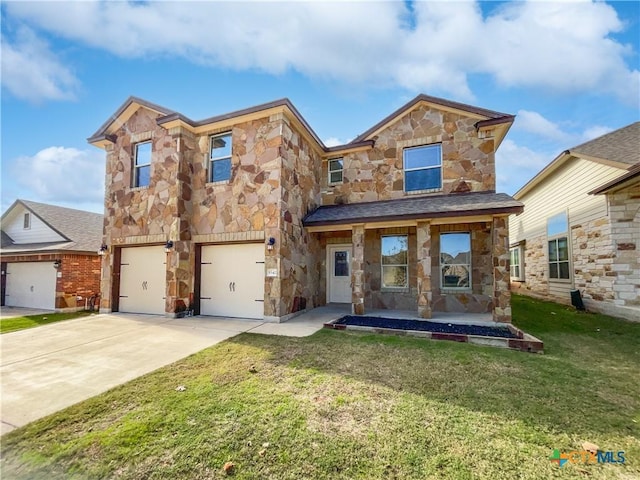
26 221
142 164
558 244
455 260
220 158
395 257
335 170
422 168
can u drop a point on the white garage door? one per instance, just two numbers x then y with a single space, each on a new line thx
232 280
143 279
31 284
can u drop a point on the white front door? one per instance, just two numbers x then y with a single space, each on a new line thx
143 279
31 284
339 273
232 280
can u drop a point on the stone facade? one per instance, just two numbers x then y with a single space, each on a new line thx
278 176
468 163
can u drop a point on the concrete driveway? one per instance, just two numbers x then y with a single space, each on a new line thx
51 367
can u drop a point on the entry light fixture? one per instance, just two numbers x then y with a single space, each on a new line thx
270 243
57 264
103 250
168 246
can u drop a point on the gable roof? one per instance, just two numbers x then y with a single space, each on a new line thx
452 205
170 118
621 146
81 230
619 149
489 117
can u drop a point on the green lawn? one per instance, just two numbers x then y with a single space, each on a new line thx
20 323
341 405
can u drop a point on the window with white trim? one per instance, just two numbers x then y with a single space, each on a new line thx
455 260
220 158
395 257
26 221
422 168
335 170
142 164
516 264
558 246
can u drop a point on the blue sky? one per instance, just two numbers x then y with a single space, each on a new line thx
569 71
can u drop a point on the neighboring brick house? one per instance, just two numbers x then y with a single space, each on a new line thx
581 226
49 256
249 214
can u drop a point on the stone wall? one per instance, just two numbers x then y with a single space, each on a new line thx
377 174
624 211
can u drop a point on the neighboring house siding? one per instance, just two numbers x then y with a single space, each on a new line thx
37 232
591 249
468 162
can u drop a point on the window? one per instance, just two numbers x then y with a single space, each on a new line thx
341 263
517 272
220 158
142 164
26 221
455 260
395 255
558 241
335 170
422 168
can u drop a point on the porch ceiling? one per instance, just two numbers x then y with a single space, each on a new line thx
415 208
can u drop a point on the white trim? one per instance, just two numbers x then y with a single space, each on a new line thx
469 265
136 166
405 170
212 159
383 287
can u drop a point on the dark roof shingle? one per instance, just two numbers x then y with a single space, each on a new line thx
82 230
622 145
453 205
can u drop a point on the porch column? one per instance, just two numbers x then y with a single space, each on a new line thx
423 272
357 270
501 279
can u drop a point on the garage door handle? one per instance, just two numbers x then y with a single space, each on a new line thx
233 285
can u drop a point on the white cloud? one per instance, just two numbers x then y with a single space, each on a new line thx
516 165
32 72
63 176
561 46
334 141
533 122
595 132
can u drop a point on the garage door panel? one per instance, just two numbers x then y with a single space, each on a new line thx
232 280
31 284
143 280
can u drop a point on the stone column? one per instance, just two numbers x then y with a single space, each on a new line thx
423 272
501 278
106 282
357 270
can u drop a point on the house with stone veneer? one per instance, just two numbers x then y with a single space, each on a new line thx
248 214
581 226
49 256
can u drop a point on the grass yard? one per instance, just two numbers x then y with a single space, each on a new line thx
21 323
341 405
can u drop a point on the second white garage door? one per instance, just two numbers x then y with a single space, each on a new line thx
232 280
143 279
31 284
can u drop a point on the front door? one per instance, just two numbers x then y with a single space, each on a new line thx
339 273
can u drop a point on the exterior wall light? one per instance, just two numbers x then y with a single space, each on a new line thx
57 264
103 250
168 246
270 243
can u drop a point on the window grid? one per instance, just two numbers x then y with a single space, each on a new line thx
336 168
